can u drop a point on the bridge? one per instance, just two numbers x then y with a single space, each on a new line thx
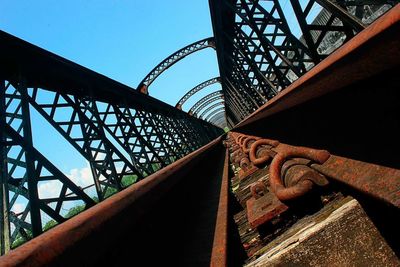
293 160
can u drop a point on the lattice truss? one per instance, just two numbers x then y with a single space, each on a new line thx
119 142
266 53
205 101
172 59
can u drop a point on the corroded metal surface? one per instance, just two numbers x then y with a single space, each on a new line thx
380 182
220 250
97 223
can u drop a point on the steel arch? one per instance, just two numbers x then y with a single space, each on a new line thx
215 111
220 123
217 117
122 134
210 108
205 104
204 99
195 90
171 60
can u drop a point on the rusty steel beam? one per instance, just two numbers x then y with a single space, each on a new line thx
345 104
220 243
370 52
92 232
377 181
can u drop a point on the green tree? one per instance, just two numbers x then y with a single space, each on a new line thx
127 180
50 224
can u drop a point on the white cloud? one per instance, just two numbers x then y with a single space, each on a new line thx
49 189
18 208
81 177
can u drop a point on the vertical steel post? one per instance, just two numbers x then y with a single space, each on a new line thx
36 220
4 205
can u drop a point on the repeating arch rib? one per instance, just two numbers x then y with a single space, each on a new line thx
198 105
217 117
210 108
171 60
220 123
211 101
195 90
212 114
205 104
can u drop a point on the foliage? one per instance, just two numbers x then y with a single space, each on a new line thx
50 224
74 211
128 180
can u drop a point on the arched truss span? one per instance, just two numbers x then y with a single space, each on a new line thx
209 116
220 115
211 101
220 120
197 106
171 60
210 108
216 115
195 90
221 123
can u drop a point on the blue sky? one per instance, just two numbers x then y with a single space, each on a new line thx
122 39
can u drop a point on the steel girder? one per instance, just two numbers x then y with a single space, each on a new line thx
171 60
229 123
208 102
221 123
207 118
199 103
202 115
216 117
196 89
258 53
122 134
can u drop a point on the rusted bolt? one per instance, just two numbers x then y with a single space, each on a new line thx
234 148
287 193
266 155
258 189
244 163
298 173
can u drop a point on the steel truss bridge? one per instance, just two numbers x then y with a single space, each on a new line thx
325 90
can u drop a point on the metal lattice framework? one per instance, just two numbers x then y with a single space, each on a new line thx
122 134
125 135
208 109
171 60
200 104
260 54
211 114
196 89
209 102
216 117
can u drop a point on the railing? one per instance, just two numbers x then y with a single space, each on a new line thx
122 134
